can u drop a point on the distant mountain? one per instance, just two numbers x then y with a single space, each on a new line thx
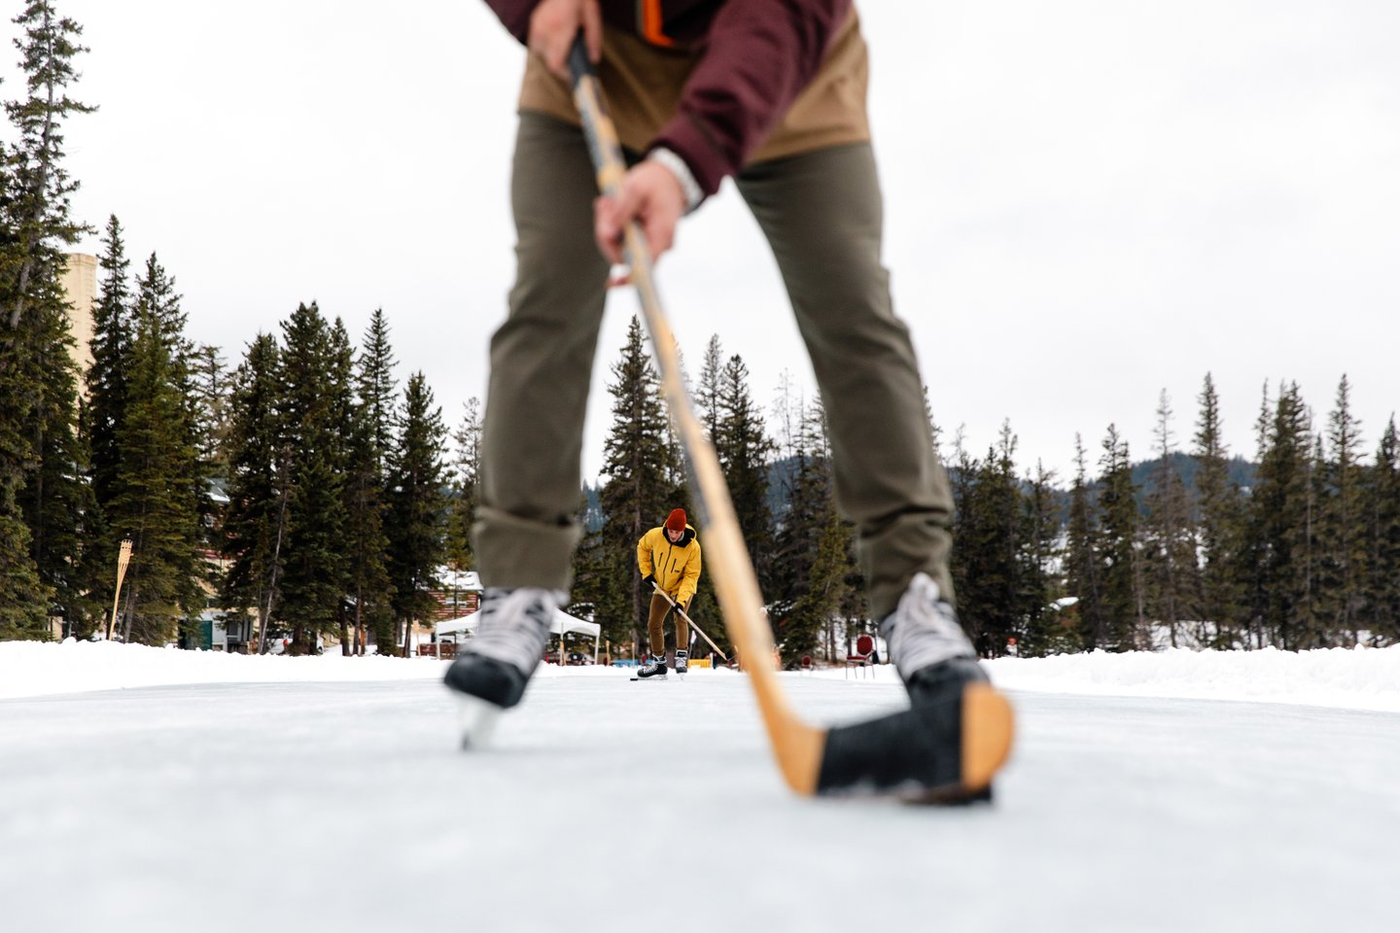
1241 471
780 473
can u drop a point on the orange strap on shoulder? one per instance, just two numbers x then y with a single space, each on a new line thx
651 24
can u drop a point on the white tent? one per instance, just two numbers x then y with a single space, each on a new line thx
563 622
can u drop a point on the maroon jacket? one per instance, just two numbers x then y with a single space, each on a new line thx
758 56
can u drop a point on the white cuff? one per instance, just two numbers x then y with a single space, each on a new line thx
677 167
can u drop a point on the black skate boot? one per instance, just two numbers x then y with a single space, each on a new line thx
491 673
958 728
682 661
653 668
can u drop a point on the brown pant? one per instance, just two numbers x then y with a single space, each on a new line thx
822 214
656 626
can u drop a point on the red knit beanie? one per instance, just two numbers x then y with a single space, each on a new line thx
676 520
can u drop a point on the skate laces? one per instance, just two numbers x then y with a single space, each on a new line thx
515 625
923 630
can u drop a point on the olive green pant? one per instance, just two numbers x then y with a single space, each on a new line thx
822 215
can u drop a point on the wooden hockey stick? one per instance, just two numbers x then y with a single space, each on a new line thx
942 751
675 605
797 746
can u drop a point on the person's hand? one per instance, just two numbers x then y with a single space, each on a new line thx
651 196
649 581
555 23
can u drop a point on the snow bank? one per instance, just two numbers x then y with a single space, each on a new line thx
30 668
1360 678
1351 678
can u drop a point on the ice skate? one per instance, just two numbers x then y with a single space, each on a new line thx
491 674
653 669
958 730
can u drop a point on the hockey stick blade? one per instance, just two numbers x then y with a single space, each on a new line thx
944 752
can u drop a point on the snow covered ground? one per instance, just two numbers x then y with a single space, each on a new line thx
152 790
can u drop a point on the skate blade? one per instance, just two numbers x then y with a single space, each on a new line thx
477 720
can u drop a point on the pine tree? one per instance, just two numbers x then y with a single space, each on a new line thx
1342 523
466 492
1219 508
367 546
113 323
1278 525
56 500
39 456
1169 538
1381 583
637 493
987 530
707 393
254 521
84 600
827 588
314 553
1313 560
106 379
344 422
1038 556
1083 575
158 301
416 506
1251 555
24 600
39 210
1117 546
156 502
806 544
378 388
156 298
934 430
743 450
211 382
371 445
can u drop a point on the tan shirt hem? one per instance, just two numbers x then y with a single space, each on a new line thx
644 85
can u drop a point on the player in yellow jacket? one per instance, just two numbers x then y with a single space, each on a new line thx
669 559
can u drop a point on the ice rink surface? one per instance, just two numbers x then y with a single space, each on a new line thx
612 805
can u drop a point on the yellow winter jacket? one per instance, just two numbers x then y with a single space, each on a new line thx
675 566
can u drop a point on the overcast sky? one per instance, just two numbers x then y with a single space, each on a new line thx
1087 202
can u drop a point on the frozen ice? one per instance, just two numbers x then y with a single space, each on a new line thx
201 792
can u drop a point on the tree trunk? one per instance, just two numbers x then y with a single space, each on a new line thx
272 582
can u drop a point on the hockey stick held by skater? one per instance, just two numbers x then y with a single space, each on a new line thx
677 607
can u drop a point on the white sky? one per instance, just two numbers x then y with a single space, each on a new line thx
1088 202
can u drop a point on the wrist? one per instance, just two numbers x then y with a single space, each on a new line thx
690 188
